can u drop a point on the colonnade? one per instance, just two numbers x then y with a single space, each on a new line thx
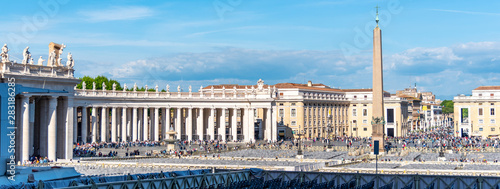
119 124
320 116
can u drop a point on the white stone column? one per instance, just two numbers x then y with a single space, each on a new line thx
145 125
32 127
84 125
51 134
156 134
134 124
268 124
274 124
129 124
244 121
25 125
251 125
189 124
222 124
104 124
140 127
113 124
234 127
75 126
94 124
199 124
211 126
124 125
165 126
71 123
178 122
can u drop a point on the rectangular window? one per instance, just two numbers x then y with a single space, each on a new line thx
492 120
353 129
365 121
354 113
464 115
493 129
355 96
293 104
365 112
281 113
480 111
365 129
255 113
480 129
294 112
390 115
294 123
238 112
281 104
481 121
492 111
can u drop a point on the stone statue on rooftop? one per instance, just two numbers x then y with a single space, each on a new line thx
114 86
146 88
5 53
260 85
70 63
168 88
212 89
93 86
40 61
103 86
234 90
32 61
135 87
84 85
190 89
26 55
156 88
178 88
52 59
125 87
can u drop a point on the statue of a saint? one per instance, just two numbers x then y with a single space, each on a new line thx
70 63
234 90
124 87
40 61
103 86
52 59
32 61
135 87
212 90
146 88
178 88
156 88
93 86
168 88
59 61
190 89
5 53
84 85
26 55
253 90
114 86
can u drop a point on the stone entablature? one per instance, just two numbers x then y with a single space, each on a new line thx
36 70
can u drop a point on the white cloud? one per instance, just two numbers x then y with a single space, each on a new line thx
117 13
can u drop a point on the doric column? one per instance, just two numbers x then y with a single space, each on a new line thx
211 126
104 123
156 125
222 124
165 126
268 124
134 124
113 124
124 124
234 128
51 134
25 125
32 127
189 124
75 126
94 124
129 124
145 125
274 124
84 125
244 121
199 124
178 122
251 124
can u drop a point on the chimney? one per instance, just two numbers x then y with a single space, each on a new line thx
309 83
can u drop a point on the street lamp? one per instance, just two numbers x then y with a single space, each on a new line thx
299 151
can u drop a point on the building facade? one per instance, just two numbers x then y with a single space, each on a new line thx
476 115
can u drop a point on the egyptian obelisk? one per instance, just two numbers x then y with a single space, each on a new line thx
378 89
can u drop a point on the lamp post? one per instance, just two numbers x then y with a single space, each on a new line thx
299 151
329 135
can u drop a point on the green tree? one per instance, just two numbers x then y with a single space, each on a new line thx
88 82
447 106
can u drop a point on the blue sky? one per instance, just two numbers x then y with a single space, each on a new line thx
445 47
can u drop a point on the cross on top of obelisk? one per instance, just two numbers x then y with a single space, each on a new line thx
376 18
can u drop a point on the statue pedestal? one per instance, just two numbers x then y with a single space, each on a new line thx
299 156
